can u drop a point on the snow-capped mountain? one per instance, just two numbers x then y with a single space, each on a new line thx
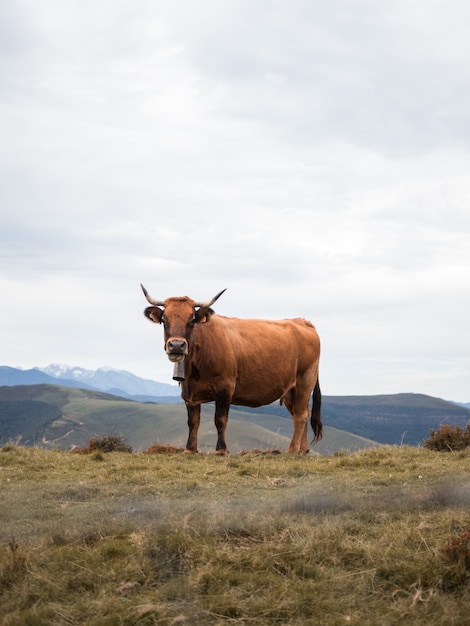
111 380
12 376
65 371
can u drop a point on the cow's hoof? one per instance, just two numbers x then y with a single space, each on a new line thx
190 451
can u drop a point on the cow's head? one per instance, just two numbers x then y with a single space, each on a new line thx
178 316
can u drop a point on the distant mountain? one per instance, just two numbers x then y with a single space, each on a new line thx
117 382
11 376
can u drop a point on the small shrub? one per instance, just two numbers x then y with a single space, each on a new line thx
108 443
448 438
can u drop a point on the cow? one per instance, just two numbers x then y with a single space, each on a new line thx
247 362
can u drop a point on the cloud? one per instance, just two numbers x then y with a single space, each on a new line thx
312 158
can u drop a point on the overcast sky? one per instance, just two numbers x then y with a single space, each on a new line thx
311 157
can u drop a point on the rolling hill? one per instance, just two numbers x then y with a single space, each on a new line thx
394 419
391 419
52 416
403 418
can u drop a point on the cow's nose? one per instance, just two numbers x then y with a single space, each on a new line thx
176 345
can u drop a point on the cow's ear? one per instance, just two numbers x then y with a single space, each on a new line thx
154 314
203 314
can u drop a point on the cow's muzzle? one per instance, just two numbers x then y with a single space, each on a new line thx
176 349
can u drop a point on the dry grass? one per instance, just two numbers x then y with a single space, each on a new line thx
252 539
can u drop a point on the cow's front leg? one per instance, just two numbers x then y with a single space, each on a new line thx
194 419
222 405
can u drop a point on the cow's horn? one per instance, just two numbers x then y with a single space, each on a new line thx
211 302
150 299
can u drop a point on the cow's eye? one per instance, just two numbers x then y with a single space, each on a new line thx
192 320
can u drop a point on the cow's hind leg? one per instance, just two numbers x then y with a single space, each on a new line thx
194 419
222 405
297 405
304 449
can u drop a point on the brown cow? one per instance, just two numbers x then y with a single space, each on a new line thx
248 362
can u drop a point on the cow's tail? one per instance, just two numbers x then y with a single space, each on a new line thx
315 418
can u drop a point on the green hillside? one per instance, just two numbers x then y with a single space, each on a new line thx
63 417
28 418
403 418
396 419
68 418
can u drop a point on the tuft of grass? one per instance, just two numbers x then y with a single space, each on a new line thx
165 448
457 548
378 536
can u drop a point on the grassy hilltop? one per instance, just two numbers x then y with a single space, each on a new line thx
379 536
